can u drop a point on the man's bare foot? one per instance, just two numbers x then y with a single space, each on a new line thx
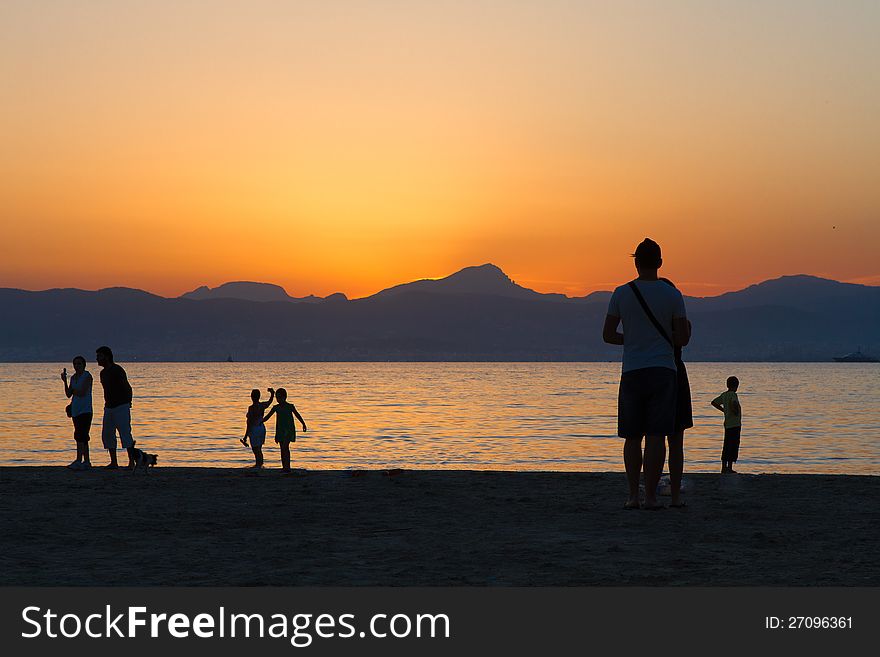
631 504
111 466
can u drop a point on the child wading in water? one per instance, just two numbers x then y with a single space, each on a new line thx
285 430
255 427
728 403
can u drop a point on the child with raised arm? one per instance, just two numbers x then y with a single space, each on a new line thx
728 403
285 429
79 391
255 429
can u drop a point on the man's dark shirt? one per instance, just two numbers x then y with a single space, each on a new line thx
117 390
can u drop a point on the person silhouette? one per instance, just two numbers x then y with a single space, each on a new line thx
79 391
654 322
285 429
728 403
117 406
684 420
255 429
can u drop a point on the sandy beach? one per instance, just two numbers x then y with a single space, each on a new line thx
189 526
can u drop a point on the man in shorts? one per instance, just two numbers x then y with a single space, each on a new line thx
654 322
117 406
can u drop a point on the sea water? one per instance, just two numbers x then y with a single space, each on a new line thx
797 417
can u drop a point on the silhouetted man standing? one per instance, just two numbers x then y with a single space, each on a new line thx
654 321
117 405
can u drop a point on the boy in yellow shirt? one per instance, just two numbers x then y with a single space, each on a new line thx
728 403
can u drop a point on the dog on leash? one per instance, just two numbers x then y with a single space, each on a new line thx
140 458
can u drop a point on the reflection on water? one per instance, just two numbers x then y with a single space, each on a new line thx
513 416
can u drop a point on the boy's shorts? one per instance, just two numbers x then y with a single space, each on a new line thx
116 419
730 451
646 403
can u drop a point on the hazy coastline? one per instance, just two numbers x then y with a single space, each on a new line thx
475 314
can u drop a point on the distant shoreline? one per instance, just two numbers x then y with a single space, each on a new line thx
830 361
272 470
237 527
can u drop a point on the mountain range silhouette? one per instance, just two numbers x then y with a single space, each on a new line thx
477 313
251 291
483 279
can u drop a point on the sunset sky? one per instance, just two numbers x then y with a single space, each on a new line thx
351 145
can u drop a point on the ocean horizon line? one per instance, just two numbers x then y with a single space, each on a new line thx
429 360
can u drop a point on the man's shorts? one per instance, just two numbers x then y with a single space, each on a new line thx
646 403
82 424
730 451
117 419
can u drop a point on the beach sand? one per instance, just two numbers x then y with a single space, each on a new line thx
200 526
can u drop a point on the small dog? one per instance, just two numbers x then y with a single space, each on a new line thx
140 458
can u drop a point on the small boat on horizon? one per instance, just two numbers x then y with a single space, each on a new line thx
856 357
229 359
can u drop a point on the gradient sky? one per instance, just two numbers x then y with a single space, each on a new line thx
351 145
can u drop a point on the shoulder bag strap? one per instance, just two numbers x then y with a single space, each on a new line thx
648 312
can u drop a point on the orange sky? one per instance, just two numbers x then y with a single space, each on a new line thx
351 145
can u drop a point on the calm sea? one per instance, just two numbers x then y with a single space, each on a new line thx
808 418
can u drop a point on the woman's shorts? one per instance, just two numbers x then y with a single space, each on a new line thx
82 424
684 411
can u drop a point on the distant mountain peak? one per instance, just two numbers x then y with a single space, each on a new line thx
247 290
122 292
253 291
486 268
803 282
485 279
487 273
805 277
796 279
